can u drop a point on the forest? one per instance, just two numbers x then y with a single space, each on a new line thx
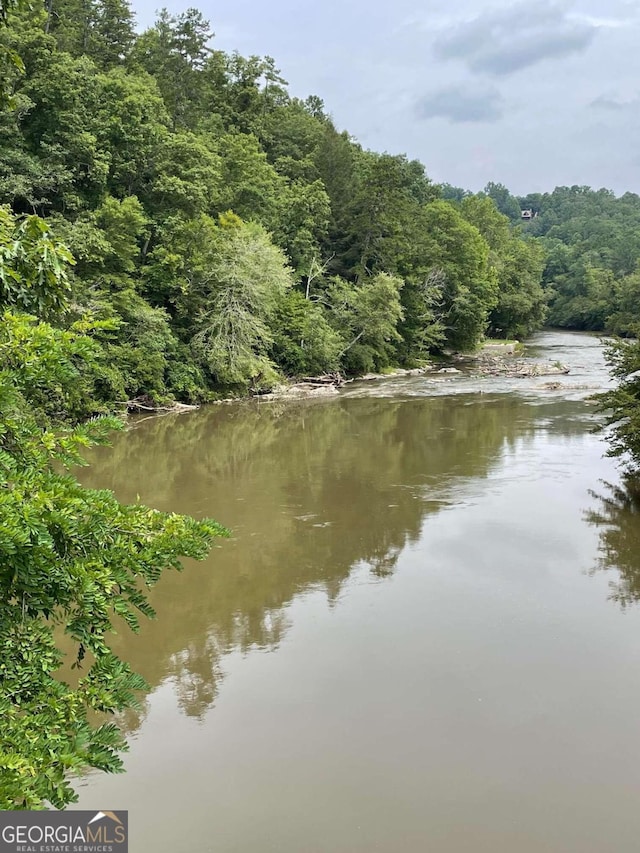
174 225
219 233
591 243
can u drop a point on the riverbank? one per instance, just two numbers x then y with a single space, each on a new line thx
492 359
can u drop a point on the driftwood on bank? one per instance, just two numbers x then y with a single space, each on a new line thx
144 403
394 374
299 390
326 379
518 369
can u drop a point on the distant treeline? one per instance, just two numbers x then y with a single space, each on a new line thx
223 232
592 246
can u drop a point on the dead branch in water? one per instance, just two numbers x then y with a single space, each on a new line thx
146 404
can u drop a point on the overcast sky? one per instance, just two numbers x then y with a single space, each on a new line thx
532 94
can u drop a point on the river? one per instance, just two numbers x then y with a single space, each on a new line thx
421 636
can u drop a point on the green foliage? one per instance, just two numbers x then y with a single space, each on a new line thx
174 51
505 203
11 64
469 284
73 561
101 29
62 125
304 344
304 220
186 180
422 329
387 196
106 242
621 405
131 124
140 354
451 193
583 301
626 301
55 368
522 303
33 275
592 241
252 187
231 292
366 318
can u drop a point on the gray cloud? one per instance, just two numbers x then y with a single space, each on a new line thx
501 42
373 69
602 102
461 105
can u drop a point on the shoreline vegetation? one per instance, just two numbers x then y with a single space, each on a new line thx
218 235
493 358
176 226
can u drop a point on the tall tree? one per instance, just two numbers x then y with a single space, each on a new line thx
507 204
246 278
113 33
174 51
367 318
469 284
522 303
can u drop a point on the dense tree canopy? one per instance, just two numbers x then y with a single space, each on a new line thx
591 240
131 147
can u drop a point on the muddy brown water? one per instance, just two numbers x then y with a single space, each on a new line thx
422 636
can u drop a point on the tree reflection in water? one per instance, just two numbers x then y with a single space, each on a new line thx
618 515
311 493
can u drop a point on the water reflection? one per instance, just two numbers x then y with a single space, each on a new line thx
618 514
310 491
445 671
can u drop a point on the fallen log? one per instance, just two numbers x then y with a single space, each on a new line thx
326 379
146 404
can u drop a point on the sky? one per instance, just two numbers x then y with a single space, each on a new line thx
532 94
